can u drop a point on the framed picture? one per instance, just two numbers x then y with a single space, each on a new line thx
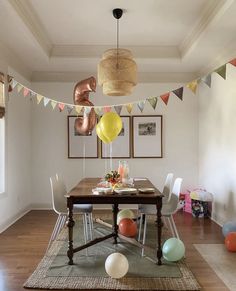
147 136
80 146
121 146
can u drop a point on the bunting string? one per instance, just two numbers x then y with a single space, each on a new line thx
99 110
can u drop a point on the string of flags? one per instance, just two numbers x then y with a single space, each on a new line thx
193 85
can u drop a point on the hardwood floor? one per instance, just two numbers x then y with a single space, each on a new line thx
23 245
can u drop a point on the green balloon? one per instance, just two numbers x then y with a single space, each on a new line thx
125 213
173 250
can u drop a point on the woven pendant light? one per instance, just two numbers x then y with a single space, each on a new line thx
117 71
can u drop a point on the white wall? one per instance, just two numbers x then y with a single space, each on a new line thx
217 143
49 140
16 199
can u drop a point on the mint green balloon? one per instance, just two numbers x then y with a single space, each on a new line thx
125 213
173 250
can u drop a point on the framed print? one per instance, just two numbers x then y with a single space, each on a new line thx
80 146
147 136
120 147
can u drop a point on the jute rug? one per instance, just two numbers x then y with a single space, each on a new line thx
223 263
88 271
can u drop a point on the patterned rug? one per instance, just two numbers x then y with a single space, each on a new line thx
54 273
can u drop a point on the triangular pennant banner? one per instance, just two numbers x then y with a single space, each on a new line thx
192 86
233 62
78 109
153 102
141 105
165 98
98 110
39 98
14 83
87 110
107 109
19 87
207 80
179 93
54 104
118 109
221 71
45 101
69 108
25 91
129 107
61 106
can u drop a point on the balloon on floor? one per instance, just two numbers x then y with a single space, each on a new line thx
116 265
128 227
125 213
173 249
228 227
230 241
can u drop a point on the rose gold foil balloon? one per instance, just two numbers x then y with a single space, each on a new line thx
84 125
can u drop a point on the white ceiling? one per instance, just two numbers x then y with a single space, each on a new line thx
63 40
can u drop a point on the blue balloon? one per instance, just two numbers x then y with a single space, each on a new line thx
173 249
228 227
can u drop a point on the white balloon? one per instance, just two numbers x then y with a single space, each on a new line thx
116 265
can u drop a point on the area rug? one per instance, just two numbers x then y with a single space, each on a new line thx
221 261
88 270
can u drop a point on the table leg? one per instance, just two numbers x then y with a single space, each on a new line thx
70 224
159 228
115 226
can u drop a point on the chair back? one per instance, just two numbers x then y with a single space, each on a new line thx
58 190
167 187
172 205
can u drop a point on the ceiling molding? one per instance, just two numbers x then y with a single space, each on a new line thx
210 16
96 51
28 16
143 77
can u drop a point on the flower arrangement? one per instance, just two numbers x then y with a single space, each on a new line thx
113 177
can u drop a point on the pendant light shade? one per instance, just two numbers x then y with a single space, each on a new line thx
117 71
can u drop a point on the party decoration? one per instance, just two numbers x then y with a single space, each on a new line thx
153 102
221 71
192 86
228 227
61 106
84 125
116 265
141 105
101 135
111 125
230 242
129 107
165 98
54 104
45 101
107 109
125 213
39 98
207 80
179 93
173 250
128 227
118 109
233 62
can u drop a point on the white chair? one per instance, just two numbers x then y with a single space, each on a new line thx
58 190
168 209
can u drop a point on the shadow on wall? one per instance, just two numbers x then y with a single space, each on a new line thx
224 212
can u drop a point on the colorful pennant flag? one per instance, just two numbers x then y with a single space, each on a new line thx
25 91
221 71
207 80
19 87
179 93
107 109
78 108
153 102
45 101
118 109
87 110
54 104
141 105
233 62
69 108
165 98
98 110
39 98
192 86
129 107
14 83
61 106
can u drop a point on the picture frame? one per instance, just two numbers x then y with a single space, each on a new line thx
147 136
121 146
80 146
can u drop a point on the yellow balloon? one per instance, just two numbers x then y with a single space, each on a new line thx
111 125
101 135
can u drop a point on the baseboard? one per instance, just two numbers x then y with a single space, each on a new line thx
13 219
217 222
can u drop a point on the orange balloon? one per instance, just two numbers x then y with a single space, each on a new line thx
230 242
128 227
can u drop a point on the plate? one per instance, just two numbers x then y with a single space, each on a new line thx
125 190
146 190
102 190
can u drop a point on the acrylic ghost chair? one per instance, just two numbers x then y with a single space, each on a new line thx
58 190
168 209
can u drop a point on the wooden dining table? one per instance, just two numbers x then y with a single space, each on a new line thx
82 193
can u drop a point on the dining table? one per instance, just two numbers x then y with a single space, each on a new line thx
83 193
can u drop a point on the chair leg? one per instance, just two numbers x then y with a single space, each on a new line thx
55 230
174 226
144 235
90 217
85 230
171 227
140 226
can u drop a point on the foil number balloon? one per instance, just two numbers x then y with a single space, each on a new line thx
84 125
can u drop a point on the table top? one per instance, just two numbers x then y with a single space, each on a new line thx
82 192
